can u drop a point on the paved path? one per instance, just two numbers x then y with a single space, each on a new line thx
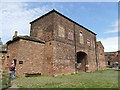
13 85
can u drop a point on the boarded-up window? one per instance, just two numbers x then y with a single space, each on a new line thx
61 31
70 35
81 38
88 42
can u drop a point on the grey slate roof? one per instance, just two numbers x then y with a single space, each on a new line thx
29 38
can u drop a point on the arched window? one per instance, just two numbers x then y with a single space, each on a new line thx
81 38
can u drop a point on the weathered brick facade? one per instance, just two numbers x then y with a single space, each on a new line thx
66 43
100 56
49 27
30 52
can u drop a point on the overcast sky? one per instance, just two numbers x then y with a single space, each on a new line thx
99 17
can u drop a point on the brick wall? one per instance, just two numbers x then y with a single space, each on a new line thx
43 28
13 51
68 26
64 60
48 61
31 53
106 60
100 56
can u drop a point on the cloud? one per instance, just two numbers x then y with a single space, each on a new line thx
115 26
112 31
110 44
16 17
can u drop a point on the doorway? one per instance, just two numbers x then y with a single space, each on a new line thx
108 62
82 61
15 61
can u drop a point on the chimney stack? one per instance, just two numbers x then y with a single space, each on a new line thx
15 35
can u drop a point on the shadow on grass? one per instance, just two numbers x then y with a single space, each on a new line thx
117 70
98 71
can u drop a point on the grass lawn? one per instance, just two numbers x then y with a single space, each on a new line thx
97 79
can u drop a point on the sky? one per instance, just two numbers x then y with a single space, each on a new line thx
99 17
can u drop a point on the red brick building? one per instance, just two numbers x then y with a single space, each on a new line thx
56 46
112 58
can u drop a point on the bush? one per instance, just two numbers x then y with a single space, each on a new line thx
53 75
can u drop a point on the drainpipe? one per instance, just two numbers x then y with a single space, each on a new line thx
96 54
75 50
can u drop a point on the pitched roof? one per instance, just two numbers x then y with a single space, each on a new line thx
30 38
3 48
100 43
64 17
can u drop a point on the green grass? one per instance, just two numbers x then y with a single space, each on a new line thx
97 79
